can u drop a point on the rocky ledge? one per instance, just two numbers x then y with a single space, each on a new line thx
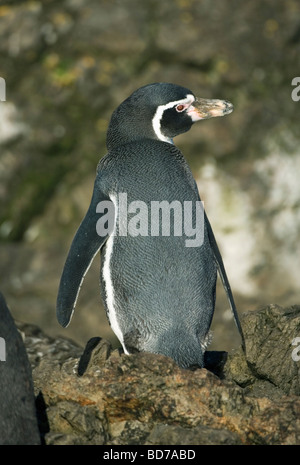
101 396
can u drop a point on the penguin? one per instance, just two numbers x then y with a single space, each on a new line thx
158 290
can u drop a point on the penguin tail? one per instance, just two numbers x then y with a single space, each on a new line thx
183 347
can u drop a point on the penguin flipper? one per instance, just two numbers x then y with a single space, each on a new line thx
85 246
224 278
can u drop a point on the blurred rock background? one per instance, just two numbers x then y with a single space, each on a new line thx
68 64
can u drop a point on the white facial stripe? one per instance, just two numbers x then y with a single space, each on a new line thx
156 120
109 288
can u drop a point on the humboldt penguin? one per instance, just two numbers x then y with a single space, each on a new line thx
159 257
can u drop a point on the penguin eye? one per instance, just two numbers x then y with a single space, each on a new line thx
180 107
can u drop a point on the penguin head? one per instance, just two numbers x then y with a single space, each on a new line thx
160 111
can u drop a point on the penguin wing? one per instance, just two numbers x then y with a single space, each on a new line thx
224 278
85 245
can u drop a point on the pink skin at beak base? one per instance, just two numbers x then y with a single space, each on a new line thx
205 108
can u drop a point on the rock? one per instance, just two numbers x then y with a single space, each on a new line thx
269 335
41 346
102 396
18 421
199 435
144 398
131 398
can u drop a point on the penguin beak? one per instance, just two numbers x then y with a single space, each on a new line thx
208 108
